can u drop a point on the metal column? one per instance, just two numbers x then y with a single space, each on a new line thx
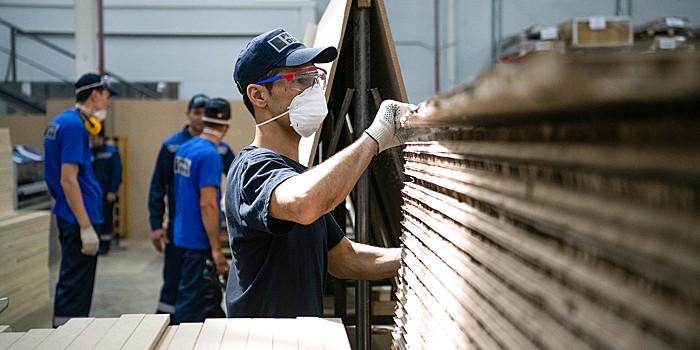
362 120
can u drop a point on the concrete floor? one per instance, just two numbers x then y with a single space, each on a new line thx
128 281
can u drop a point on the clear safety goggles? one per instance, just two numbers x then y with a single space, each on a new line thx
105 81
302 79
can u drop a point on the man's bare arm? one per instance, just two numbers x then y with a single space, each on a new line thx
210 218
74 197
306 197
350 260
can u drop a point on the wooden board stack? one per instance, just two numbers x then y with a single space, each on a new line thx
24 248
151 332
572 225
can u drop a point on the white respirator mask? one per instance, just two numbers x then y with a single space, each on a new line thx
99 115
306 112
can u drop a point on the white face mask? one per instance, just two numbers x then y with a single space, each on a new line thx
99 115
306 112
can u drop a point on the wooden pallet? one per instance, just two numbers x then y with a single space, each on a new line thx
151 332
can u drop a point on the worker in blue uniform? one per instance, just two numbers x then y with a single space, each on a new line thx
69 176
198 171
162 186
107 167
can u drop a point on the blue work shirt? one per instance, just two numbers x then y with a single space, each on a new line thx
197 164
279 268
162 181
67 141
107 167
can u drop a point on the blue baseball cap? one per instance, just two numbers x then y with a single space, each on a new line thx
197 100
93 81
276 48
217 110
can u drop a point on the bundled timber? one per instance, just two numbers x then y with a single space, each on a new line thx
151 332
556 206
24 248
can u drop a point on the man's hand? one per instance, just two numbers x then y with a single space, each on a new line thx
221 264
111 197
91 243
387 129
159 238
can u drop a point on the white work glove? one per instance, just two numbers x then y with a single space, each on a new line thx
387 129
91 243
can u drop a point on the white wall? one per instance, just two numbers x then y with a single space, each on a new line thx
196 42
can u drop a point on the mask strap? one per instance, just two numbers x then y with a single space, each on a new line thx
211 131
275 118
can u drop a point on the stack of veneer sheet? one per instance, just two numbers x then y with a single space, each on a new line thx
556 206
24 248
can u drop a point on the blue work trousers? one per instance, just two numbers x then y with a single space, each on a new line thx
77 277
171 279
197 297
105 229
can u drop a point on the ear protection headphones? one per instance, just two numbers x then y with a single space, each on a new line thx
91 124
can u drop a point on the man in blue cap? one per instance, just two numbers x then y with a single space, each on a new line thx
198 172
69 176
107 167
162 185
283 239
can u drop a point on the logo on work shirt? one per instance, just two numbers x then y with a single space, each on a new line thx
104 155
282 40
222 150
173 148
50 132
182 166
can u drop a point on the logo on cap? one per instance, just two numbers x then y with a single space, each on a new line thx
282 40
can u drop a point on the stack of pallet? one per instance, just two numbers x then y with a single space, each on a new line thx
557 206
149 332
24 248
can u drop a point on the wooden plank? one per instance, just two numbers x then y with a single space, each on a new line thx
5 328
148 332
64 335
185 337
30 340
308 335
334 335
166 338
211 334
122 329
285 334
260 334
92 334
9 338
236 335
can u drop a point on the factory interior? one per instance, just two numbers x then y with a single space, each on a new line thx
508 174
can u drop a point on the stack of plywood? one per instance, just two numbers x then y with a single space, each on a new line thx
556 219
24 250
149 332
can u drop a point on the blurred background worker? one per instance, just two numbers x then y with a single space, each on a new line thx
107 167
69 176
198 171
162 185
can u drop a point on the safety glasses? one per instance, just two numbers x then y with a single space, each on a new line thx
105 81
302 79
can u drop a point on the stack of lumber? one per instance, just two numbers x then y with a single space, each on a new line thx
598 31
149 332
24 248
544 215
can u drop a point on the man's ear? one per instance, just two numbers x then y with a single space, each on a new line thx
258 95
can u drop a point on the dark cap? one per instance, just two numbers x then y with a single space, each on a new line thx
275 48
197 100
217 110
93 81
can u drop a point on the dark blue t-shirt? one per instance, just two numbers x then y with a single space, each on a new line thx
197 164
279 268
66 141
